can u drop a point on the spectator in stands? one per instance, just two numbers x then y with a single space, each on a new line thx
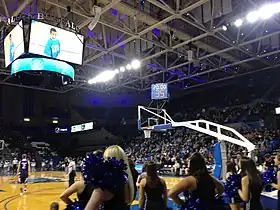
142 175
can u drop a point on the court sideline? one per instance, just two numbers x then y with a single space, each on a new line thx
45 188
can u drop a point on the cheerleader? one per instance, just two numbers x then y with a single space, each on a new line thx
83 190
152 190
235 200
199 184
251 185
110 198
277 186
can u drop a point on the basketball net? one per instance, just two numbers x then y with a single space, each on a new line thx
147 134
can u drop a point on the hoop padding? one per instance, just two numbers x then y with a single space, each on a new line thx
147 134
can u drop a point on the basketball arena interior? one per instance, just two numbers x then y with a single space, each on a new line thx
139 104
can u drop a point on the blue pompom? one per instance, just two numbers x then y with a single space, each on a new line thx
233 183
191 203
106 174
75 206
268 177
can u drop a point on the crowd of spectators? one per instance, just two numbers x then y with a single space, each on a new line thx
172 147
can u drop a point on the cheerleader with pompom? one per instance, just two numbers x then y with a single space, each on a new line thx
112 178
199 187
233 182
82 189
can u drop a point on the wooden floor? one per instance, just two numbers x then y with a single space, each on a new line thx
45 189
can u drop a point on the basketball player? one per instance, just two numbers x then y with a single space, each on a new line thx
23 172
71 171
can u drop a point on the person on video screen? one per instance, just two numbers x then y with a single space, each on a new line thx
12 49
52 48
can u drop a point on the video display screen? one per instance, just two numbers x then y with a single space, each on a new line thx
14 44
42 64
56 43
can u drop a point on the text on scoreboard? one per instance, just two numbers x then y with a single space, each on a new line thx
159 91
82 127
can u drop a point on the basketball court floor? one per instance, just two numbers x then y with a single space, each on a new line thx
43 189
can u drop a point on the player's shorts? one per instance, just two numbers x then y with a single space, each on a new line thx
23 179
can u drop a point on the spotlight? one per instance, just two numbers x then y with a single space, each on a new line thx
252 17
91 81
117 71
238 23
55 121
224 28
128 67
26 120
267 11
135 64
122 69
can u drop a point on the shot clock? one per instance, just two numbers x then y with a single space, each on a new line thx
159 91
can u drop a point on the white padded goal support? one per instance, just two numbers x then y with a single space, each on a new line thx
197 126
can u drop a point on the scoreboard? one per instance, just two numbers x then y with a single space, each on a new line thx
159 91
82 127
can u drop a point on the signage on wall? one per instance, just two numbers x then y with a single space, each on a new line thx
43 17
61 130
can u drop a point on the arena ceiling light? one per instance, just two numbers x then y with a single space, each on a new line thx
263 13
238 23
252 17
104 76
110 74
135 64
26 119
55 121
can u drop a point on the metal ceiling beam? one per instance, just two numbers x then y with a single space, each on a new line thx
21 7
125 9
218 52
230 65
219 38
5 8
233 76
103 10
207 56
149 20
150 28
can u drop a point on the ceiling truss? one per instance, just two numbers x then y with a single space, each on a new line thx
168 30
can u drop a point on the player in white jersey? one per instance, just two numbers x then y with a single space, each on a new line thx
23 172
15 166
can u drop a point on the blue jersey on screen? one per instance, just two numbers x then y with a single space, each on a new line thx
23 167
52 48
12 51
